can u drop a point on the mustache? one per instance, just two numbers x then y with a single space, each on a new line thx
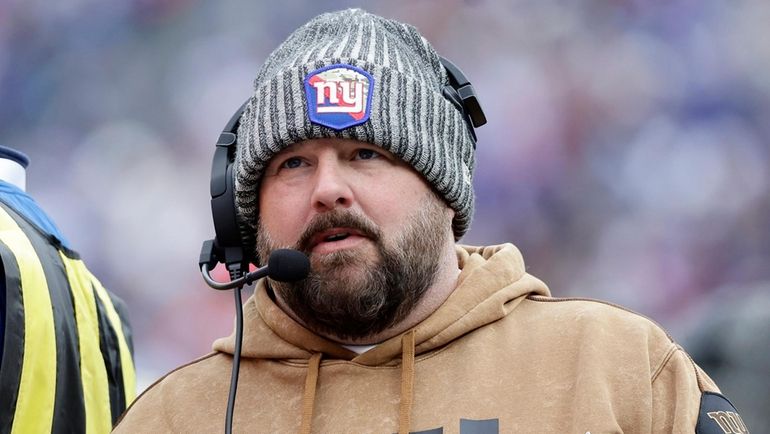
335 219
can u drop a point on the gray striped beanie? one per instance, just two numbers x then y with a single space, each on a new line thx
354 75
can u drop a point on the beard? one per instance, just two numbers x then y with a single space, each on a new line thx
350 294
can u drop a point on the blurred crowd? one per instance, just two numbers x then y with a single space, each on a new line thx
627 151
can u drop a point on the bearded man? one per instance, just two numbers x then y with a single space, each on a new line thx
354 150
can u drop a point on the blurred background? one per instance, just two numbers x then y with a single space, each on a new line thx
627 152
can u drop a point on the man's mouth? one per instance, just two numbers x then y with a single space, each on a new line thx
337 237
334 239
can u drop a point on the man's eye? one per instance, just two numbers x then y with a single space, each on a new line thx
292 163
366 154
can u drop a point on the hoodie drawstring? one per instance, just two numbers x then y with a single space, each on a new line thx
407 382
407 386
308 397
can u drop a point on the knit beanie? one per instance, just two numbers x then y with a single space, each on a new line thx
354 75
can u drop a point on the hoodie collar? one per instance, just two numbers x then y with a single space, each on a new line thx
491 284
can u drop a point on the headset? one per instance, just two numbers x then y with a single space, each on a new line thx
234 243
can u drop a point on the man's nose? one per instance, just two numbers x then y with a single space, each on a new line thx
332 187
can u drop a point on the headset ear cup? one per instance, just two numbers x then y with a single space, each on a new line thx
461 94
234 239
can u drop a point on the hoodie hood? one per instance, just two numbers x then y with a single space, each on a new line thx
491 284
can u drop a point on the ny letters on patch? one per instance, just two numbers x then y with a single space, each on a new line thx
718 416
339 96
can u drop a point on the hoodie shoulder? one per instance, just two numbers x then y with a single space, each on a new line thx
607 326
182 399
592 309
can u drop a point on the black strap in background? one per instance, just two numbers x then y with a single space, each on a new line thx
108 343
10 369
122 310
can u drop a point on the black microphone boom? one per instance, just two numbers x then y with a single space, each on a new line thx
283 265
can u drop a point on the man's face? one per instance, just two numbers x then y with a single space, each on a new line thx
372 227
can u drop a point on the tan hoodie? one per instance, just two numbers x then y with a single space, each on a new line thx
500 355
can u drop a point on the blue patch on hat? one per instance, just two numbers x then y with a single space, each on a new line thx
339 96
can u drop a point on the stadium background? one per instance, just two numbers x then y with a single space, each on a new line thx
626 152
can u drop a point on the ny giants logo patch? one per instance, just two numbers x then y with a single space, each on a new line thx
339 96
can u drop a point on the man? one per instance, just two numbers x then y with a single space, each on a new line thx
352 151
65 343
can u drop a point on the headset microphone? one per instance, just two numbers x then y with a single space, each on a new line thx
283 265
